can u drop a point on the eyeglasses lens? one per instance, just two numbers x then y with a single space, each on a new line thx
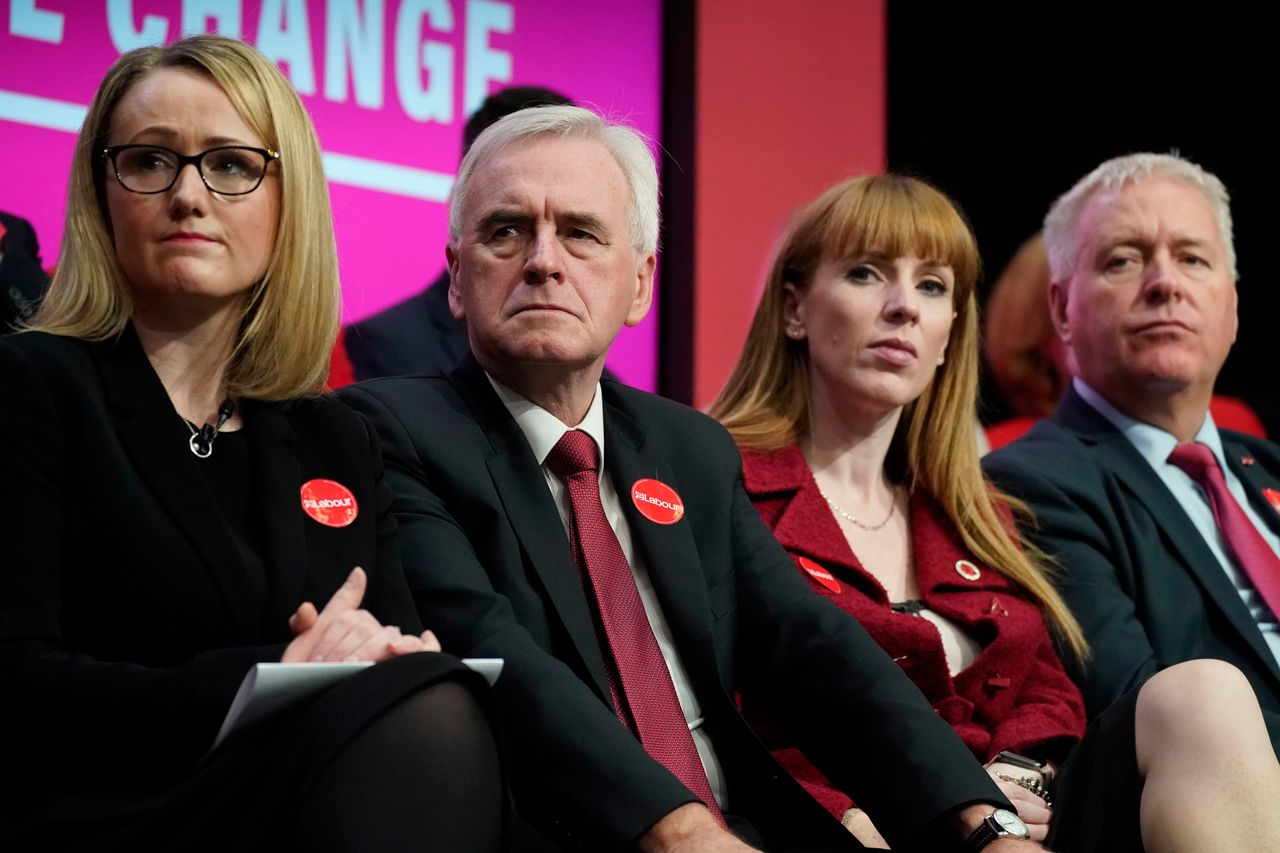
225 170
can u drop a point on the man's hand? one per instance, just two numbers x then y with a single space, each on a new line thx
967 819
690 829
344 632
1011 845
1033 810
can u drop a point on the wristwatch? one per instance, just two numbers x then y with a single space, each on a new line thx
1036 765
1001 823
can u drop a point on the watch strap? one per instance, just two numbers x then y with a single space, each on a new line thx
981 837
989 830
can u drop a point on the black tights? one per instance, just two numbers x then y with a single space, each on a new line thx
423 776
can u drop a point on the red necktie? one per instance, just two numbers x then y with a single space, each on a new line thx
647 691
1250 550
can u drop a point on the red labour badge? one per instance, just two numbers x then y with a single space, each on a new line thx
657 501
1273 498
329 502
819 574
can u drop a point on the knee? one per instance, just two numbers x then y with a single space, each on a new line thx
449 712
1197 699
448 698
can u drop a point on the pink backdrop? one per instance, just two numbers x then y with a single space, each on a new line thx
389 84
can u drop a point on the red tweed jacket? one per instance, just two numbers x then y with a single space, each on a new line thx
1015 695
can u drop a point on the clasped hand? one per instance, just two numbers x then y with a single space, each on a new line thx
1033 810
342 631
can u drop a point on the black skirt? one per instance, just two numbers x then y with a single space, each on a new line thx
247 794
1099 790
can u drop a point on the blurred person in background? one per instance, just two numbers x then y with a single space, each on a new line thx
419 333
22 281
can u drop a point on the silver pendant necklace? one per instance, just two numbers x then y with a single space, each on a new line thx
201 441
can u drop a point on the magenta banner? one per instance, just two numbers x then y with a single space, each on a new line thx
389 84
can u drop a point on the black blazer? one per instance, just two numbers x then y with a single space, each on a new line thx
489 563
415 334
125 627
1146 588
22 281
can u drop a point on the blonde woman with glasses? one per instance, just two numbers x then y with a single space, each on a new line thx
183 502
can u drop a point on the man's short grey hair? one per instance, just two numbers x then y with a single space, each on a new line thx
1064 216
628 146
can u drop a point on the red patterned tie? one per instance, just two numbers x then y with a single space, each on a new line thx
647 690
1251 551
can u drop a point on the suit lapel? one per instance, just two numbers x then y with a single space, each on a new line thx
528 504
1134 475
806 525
1256 477
668 550
277 479
155 439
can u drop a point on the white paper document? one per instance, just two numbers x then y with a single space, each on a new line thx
272 687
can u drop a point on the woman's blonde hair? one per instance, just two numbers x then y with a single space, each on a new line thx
290 317
765 404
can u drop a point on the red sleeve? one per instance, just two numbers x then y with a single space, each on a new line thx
1048 715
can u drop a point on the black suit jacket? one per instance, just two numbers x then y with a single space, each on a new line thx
415 334
489 563
125 622
1146 588
22 281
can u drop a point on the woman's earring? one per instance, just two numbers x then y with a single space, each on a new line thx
795 333
941 359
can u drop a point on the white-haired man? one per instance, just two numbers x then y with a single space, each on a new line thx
1166 529
598 539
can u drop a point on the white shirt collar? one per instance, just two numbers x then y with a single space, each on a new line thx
1153 443
543 429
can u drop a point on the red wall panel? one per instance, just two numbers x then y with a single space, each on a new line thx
790 99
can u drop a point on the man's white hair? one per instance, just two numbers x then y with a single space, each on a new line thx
1064 216
628 146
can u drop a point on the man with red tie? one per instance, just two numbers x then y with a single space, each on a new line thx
599 540
1166 529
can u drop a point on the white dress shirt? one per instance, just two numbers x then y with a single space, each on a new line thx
959 648
1155 445
543 430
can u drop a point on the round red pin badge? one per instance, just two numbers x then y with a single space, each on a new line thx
968 570
657 501
819 574
329 502
1273 498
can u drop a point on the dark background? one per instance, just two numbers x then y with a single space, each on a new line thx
1004 108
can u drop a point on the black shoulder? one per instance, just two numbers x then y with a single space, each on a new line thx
394 391
54 358
673 422
1044 442
1263 448
44 348
324 407
1048 454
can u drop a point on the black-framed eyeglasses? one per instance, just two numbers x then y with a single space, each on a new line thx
226 170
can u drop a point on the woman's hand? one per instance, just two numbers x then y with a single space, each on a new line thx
1033 810
344 632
